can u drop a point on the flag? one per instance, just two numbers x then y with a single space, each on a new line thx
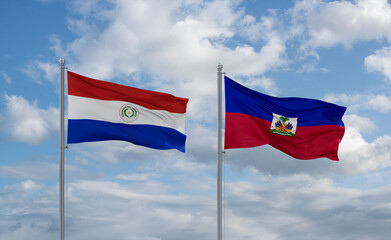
302 128
100 111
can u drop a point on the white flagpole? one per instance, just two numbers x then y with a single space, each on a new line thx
219 153
62 217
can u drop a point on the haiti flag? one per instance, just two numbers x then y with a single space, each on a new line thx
302 128
100 111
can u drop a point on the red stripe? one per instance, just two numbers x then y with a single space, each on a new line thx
81 86
243 131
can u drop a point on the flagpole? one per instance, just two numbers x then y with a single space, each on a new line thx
219 153
62 147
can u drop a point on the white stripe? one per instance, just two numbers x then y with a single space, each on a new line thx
109 111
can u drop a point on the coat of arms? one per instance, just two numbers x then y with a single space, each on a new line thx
283 125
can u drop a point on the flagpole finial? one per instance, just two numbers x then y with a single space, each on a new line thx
219 67
62 61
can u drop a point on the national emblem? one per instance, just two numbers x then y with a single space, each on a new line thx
283 125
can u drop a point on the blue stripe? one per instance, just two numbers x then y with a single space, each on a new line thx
310 112
84 130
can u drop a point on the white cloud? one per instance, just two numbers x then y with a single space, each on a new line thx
380 61
264 29
302 207
56 46
175 48
244 60
381 103
24 188
135 176
319 23
344 22
365 125
5 76
26 122
295 207
360 102
39 71
311 67
359 156
33 171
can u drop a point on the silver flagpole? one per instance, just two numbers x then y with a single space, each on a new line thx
219 153
62 217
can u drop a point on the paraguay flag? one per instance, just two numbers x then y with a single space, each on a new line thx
100 111
303 128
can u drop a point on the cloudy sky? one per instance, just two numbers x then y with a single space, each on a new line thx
338 51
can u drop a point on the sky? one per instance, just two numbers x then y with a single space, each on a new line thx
337 51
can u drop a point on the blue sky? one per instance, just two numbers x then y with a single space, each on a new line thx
337 51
